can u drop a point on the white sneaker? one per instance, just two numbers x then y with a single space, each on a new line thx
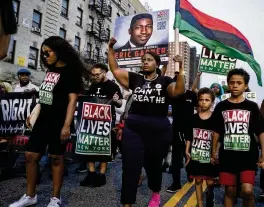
54 202
25 201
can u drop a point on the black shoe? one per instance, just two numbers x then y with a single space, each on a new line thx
173 189
89 180
261 197
82 168
170 170
210 201
164 167
66 172
100 180
190 180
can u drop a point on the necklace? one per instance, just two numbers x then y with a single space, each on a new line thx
152 78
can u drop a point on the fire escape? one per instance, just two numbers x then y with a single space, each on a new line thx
96 31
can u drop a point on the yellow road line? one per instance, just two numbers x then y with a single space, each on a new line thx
178 196
192 202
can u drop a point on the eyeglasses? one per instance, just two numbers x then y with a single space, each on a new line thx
96 75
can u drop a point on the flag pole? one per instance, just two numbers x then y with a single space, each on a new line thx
176 47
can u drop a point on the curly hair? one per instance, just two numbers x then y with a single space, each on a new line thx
239 71
155 56
65 53
205 90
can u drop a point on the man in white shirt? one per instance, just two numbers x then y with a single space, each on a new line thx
25 84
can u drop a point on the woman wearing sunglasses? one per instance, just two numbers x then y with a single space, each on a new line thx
57 102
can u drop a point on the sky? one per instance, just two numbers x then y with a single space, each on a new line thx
246 16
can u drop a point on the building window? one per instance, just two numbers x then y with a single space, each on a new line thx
64 8
110 10
89 50
96 54
117 14
11 51
91 23
36 22
79 17
62 33
77 43
16 5
33 58
89 47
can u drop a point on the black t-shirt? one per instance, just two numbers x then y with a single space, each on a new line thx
183 109
105 91
150 98
200 135
58 83
237 123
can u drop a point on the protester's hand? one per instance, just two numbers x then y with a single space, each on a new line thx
260 163
115 97
28 122
199 73
188 158
115 129
111 42
65 133
214 158
27 91
178 59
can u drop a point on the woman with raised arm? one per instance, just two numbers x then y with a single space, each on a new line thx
147 130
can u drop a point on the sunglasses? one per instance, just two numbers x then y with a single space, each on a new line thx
46 54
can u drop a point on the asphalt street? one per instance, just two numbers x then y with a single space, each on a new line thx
109 195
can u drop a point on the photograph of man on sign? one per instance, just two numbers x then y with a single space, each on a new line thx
140 31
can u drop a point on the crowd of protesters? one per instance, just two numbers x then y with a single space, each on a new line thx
221 149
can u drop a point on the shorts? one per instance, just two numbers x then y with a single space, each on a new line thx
205 171
46 135
247 176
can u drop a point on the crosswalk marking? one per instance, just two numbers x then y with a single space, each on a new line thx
178 196
192 202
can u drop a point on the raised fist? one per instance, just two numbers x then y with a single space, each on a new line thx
111 42
178 59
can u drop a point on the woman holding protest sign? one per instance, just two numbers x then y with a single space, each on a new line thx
147 131
57 102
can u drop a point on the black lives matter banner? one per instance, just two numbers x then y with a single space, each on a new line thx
15 108
94 130
215 63
201 145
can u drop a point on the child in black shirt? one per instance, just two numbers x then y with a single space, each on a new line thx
238 120
198 147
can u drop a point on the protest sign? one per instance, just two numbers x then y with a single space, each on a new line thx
252 96
140 33
94 130
15 108
215 63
